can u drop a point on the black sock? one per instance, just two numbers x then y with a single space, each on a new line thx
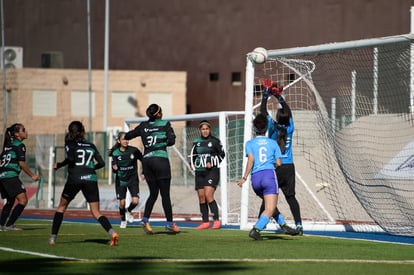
57 221
5 213
214 209
131 207
204 211
122 213
15 214
105 223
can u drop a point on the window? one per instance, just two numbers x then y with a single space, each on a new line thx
236 78
80 103
291 77
121 104
214 76
44 103
162 99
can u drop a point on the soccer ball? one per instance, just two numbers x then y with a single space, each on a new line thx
259 55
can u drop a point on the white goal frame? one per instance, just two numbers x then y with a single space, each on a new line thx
221 116
300 51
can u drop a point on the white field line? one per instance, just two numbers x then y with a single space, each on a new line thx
211 260
39 254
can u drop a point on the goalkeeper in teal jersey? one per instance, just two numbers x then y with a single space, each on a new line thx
156 134
125 166
12 162
206 156
281 130
263 155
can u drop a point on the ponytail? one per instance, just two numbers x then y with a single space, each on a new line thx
282 138
283 120
8 136
116 145
113 148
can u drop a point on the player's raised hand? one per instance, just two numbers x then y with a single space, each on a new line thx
266 82
276 91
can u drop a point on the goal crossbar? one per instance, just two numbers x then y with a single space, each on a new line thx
340 46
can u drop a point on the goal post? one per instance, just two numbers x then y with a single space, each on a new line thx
353 141
249 101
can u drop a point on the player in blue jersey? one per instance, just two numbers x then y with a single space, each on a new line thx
263 155
82 158
125 166
12 162
156 134
206 156
281 130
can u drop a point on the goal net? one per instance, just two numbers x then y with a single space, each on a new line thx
354 136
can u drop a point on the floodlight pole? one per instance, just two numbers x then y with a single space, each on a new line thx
3 69
412 64
105 114
88 8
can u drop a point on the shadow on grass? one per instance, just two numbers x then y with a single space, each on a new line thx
106 241
100 241
136 265
169 233
265 237
276 237
26 228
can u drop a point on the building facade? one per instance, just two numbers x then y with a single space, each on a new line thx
207 39
47 100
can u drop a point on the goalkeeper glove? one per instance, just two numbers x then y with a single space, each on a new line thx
276 91
266 83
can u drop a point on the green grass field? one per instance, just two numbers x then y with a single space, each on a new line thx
83 248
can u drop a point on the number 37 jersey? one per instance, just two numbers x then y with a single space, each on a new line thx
83 159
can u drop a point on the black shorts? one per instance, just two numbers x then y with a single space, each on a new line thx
10 188
121 191
210 177
286 179
89 190
156 168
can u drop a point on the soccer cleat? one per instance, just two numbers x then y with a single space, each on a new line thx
129 217
52 240
172 228
147 228
204 225
299 228
254 233
216 224
289 230
11 228
114 239
123 224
